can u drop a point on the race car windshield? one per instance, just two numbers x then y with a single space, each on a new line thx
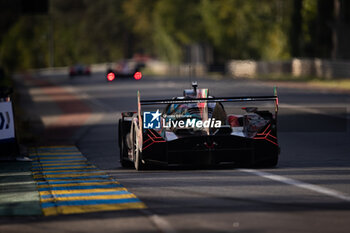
189 110
194 112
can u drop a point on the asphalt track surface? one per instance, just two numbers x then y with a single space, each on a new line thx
309 190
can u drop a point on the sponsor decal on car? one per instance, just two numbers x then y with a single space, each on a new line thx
153 120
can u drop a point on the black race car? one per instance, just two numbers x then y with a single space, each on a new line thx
197 129
125 69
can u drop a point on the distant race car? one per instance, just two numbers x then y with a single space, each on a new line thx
197 129
79 69
125 69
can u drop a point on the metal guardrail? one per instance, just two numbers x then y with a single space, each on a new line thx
296 67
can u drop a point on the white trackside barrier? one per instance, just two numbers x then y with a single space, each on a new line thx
7 128
8 141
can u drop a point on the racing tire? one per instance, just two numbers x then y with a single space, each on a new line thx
137 155
125 163
122 151
137 161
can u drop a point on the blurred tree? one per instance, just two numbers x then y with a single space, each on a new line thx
90 31
9 13
296 28
246 29
175 25
316 37
25 44
340 28
139 19
344 30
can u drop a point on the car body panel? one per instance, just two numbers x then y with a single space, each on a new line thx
248 139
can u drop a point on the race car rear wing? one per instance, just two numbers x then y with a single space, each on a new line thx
219 99
273 98
202 100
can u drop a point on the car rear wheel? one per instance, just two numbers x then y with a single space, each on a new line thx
137 161
137 155
124 162
123 153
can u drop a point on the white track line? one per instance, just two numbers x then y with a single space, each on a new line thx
300 184
160 222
